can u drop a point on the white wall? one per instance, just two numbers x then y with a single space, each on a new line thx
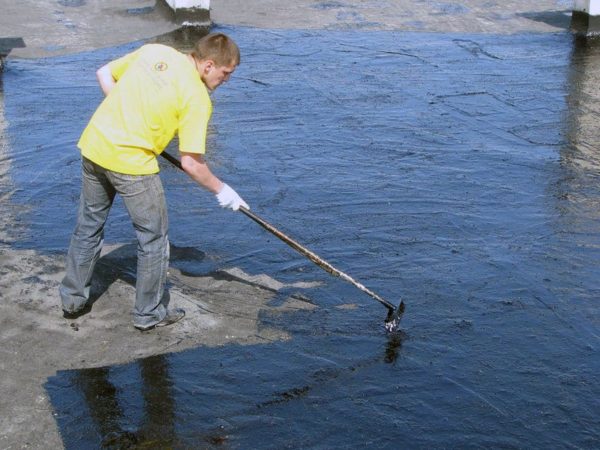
178 4
592 7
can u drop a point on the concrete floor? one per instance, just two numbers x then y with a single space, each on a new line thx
51 28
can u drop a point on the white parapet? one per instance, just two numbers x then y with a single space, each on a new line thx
190 13
591 7
189 4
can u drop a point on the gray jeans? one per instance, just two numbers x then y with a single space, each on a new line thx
144 199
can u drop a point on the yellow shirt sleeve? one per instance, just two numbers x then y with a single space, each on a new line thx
193 123
120 65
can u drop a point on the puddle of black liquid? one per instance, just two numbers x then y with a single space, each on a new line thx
140 11
71 3
241 396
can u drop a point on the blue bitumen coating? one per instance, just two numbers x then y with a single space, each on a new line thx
457 171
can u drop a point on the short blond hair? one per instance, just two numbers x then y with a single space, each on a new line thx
219 48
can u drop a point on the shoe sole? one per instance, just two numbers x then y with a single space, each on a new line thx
161 324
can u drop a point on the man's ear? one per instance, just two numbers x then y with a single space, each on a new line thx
209 64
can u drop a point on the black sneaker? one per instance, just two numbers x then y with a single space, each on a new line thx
173 315
72 315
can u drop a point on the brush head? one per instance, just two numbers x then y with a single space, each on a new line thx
392 321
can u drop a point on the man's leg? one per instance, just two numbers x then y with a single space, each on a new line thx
97 196
144 199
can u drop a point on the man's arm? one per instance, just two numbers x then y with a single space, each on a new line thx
195 166
105 79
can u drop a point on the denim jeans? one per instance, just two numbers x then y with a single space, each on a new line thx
144 199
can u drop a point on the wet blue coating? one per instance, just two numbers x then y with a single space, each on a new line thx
457 171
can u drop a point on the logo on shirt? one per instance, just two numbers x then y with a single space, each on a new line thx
161 66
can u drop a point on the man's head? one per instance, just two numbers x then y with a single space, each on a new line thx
216 56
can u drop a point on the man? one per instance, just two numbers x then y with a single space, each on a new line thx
151 94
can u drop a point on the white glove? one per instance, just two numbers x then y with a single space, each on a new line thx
228 198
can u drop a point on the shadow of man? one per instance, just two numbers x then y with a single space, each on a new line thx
111 419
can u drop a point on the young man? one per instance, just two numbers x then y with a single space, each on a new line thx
151 94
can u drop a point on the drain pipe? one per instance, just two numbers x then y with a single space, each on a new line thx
586 17
191 13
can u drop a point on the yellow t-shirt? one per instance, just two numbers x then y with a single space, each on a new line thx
158 93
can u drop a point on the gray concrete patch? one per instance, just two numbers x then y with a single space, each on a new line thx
52 28
36 341
465 16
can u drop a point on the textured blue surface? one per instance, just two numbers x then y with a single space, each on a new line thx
457 171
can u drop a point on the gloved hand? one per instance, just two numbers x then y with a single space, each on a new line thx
228 198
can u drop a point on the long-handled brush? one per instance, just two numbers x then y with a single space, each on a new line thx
394 315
